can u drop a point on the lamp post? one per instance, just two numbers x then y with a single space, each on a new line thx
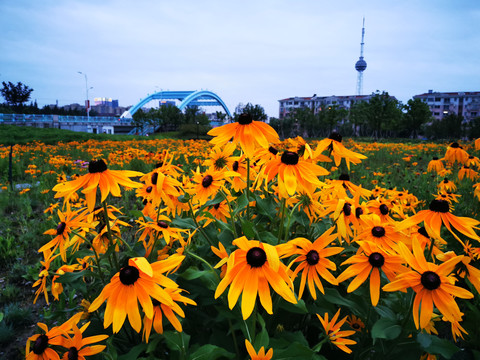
87 102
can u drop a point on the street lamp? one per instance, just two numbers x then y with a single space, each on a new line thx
87 103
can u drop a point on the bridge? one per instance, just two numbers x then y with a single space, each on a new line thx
91 124
113 124
187 98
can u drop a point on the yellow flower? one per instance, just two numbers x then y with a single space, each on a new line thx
250 134
251 269
432 284
99 176
261 354
139 281
336 336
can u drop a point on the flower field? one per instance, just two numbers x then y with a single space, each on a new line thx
242 247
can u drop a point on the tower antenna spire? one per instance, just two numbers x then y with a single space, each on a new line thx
361 64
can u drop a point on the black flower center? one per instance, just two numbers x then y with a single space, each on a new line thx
61 228
347 209
383 209
128 275
159 164
72 353
358 212
312 257
245 119
235 166
162 224
439 206
154 178
149 189
344 177
40 344
216 206
273 150
378 231
435 158
96 166
454 145
356 326
207 181
335 136
445 181
430 280
256 257
290 158
376 259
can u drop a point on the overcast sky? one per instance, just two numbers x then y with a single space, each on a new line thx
256 51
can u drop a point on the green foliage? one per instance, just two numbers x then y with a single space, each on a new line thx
15 94
417 114
449 127
193 131
256 111
21 135
7 333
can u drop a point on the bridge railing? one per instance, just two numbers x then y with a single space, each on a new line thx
62 118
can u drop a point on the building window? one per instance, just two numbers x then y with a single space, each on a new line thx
436 114
438 99
473 114
430 99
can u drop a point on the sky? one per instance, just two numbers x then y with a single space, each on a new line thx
248 51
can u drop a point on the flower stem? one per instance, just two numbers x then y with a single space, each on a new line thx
232 216
109 232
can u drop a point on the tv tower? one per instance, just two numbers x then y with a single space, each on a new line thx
361 64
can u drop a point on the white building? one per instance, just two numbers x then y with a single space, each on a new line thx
466 104
317 103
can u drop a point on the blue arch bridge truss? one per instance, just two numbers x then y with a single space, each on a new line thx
186 98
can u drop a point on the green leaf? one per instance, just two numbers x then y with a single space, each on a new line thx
136 214
72 277
211 352
425 340
184 198
298 308
186 223
248 230
134 352
219 197
385 312
334 297
434 345
242 203
266 207
386 329
177 341
296 351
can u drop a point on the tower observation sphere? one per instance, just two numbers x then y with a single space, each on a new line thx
360 65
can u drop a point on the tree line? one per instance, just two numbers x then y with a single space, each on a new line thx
17 95
382 116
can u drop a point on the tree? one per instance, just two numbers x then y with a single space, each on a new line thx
358 117
383 112
449 127
15 95
417 114
257 112
194 116
139 120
